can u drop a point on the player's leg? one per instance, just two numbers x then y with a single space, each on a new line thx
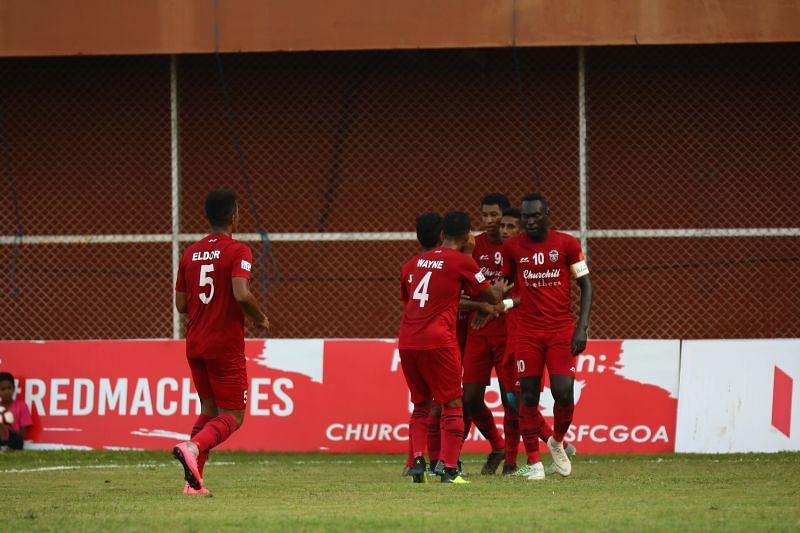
560 366
188 452
228 379
510 430
530 364
208 411
547 432
479 358
443 370
434 436
414 373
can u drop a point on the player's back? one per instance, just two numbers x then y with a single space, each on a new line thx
215 324
432 284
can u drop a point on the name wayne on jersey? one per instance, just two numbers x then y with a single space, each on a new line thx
430 263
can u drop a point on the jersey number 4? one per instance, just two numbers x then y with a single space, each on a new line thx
205 279
421 292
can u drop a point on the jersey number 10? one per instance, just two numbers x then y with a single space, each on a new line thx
205 279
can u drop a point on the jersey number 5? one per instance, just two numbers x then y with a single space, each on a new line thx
421 292
205 279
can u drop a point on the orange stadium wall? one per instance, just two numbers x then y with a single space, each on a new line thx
677 137
99 27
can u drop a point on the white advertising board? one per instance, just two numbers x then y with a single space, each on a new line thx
739 396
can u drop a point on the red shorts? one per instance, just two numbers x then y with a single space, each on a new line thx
432 374
537 349
222 378
484 352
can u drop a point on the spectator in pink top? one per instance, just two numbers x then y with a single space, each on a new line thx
13 435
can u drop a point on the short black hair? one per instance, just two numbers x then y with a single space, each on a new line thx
6 376
534 197
512 212
496 198
456 225
429 229
220 207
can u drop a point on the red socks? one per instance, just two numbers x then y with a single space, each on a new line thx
529 428
562 418
511 430
201 421
418 429
484 421
434 436
546 431
452 435
214 432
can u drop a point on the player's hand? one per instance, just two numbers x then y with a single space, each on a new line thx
502 285
578 343
483 315
262 325
480 319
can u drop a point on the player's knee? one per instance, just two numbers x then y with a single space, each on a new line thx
529 398
453 403
563 395
238 416
472 400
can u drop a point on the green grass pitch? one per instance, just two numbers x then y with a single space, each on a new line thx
112 491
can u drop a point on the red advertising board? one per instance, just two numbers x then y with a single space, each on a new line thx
313 395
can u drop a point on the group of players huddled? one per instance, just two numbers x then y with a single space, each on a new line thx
512 285
500 300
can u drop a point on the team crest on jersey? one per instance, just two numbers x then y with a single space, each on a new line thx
553 255
246 265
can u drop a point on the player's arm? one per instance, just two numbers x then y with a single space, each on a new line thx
180 289
582 327
180 302
580 271
248 302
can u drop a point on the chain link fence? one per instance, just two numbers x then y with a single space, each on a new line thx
690 180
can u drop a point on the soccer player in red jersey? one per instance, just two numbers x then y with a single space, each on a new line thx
212 286
510 227
429 236
431 286
540 262
485 347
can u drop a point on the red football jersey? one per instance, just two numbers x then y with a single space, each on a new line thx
542 271
216 322
489 257
430 287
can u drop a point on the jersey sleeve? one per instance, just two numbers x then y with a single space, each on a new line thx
575 259
242 262
180 279
473 279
